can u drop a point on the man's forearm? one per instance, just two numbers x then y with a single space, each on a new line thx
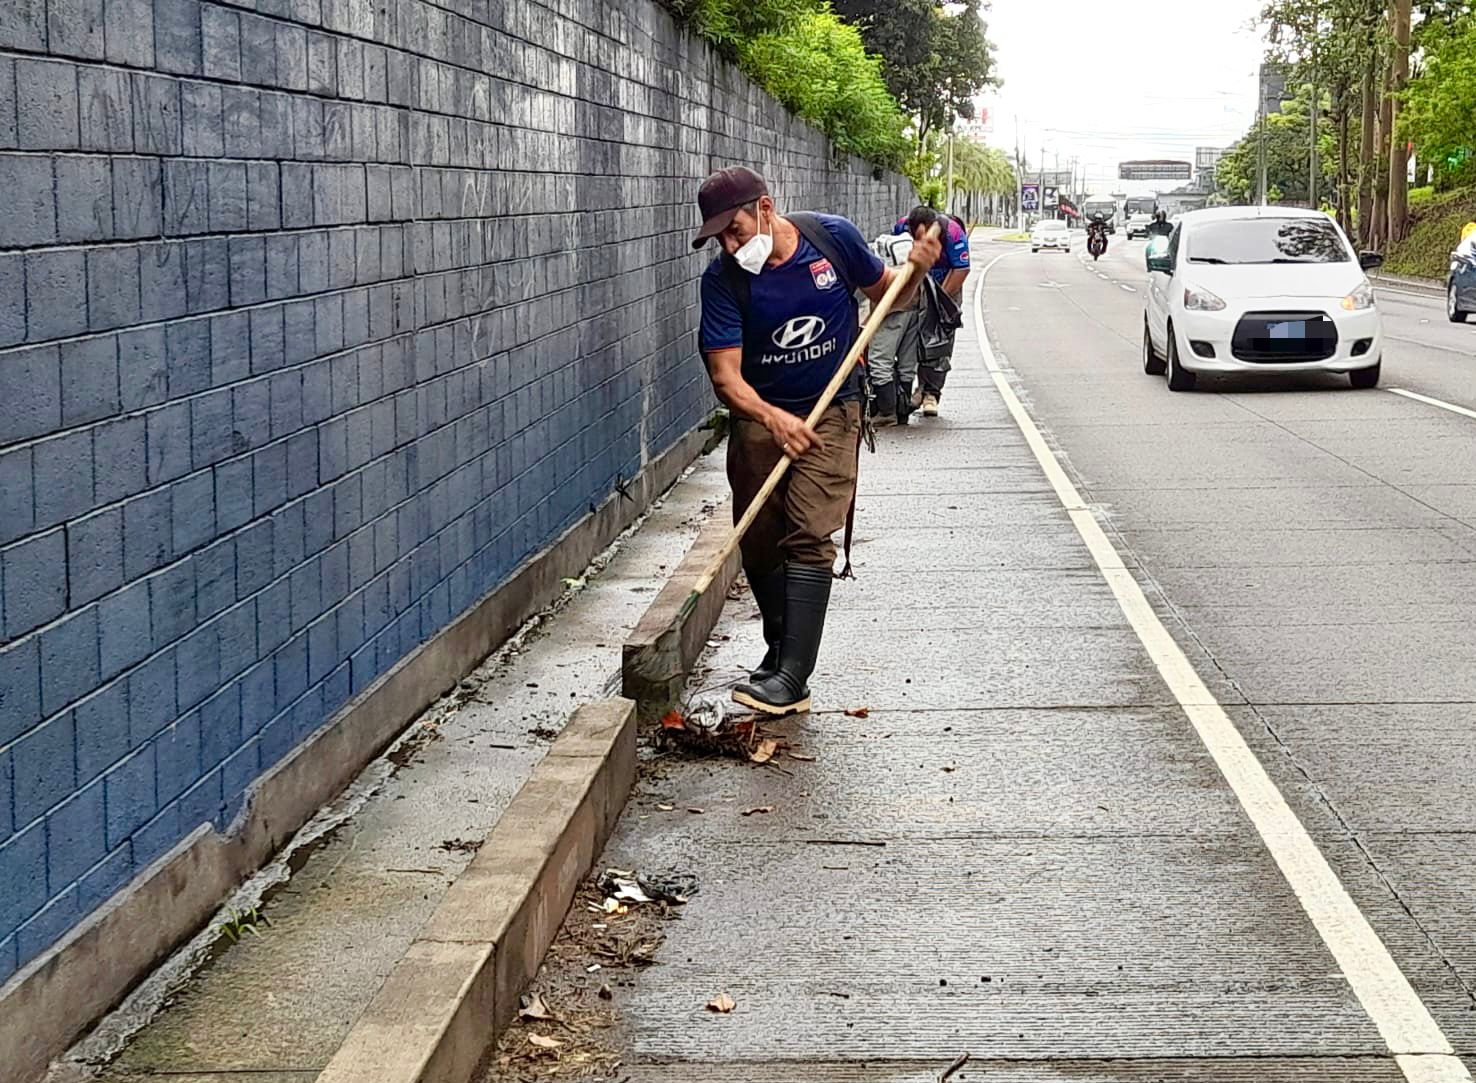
953 285
740 397
909 295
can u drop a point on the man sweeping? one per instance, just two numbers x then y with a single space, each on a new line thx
897 356
778 315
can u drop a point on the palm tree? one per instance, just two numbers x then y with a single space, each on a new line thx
982 174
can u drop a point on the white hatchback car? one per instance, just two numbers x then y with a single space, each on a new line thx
1050 233
1260 289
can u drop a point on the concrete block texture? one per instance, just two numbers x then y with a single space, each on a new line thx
317 323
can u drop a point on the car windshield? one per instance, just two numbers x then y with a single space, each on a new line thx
1051 226
1267 240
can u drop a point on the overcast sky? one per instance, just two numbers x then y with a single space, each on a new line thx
1103 94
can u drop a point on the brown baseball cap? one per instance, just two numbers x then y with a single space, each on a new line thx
720 197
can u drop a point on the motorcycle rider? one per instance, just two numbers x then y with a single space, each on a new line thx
1160 226
1097 235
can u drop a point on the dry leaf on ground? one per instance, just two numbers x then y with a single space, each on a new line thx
765 750
673 720
544 1043
859 712
721 1004
758 808
803 757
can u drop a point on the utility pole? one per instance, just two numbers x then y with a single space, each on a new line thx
1261 149
1260 157
1056 179
1019 179
948 192
1313 110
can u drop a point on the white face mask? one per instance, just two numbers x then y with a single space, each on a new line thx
753 255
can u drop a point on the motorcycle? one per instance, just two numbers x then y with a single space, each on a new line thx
1097 240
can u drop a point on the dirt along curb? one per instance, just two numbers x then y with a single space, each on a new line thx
660 653
454 990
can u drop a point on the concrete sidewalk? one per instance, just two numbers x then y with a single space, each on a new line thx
273 1008
1022 852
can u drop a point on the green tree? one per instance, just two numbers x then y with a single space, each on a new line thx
817 65
978 168
1330 46
1440 105
729 23
983 176
1288 154
899 31
821 70
935 63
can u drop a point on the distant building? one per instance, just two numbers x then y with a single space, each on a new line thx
1206 163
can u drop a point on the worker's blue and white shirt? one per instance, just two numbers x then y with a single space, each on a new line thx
955 255
802 320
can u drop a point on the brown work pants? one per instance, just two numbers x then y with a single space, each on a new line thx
811 502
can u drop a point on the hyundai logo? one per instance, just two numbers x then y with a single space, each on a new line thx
799 332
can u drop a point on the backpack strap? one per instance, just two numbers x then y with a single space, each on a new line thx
814 231
739 282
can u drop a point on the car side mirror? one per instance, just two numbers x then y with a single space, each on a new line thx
1370 261
1162 264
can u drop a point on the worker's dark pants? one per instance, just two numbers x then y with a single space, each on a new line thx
811 502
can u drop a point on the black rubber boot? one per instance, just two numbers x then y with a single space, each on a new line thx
905 406
768 592
884 405
806 599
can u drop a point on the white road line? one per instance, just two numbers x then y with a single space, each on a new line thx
1421 1049
1125 286
1432 402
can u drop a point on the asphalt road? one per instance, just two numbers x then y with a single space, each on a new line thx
1313 546
1052 844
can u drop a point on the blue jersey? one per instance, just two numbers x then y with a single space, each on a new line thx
801 319
955 248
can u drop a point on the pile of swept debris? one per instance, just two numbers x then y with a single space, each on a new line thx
564 1020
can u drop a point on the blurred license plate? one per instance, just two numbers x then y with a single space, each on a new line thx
1287 329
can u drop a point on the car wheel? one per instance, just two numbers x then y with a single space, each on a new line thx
1034 249
1152 363
1366 378
1180 379
1453 304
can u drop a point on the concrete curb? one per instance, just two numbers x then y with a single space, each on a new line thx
671 636
1433 286
457 986
51 1000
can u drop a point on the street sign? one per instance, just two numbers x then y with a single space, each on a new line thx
1052 197
1160 169
1030 197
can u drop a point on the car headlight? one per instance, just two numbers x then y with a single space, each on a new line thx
1196 300
1360 299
